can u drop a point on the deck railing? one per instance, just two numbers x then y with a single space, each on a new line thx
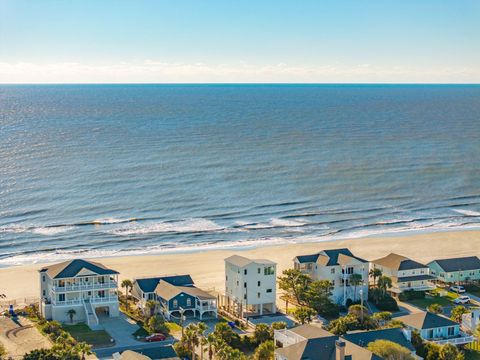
90 286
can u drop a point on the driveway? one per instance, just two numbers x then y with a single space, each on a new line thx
269 319
121 329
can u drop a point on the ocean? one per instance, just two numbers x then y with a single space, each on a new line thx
108 170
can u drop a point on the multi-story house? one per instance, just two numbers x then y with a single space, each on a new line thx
250 286
406 274
175 296
435 328
88 288
337 266
456 270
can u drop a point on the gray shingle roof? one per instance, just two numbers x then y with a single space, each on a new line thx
69 269
168 291
459 264
364 338
332 255
426 320
148 285
398 262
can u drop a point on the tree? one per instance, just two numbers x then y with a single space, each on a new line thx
262 333
303 314
156 324
277 325
317 296
84 349
355 280
418 344
211 339
375 273
191 338
384 283
151 305
224 332
71 313
432 351
127 284
457 312
448 352
435 308
389 350
295 284
357 310
40 354
265 351
3 352
201 328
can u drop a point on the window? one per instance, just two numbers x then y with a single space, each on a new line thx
43 278
61 297
259 270
269 270
175 303
245 272
451 331
226 277
244 284
333 282
237 283
245 297
189 302
258 283
258 295
269 290
101 293
44 293
332 271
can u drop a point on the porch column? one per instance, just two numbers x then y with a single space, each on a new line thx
261 309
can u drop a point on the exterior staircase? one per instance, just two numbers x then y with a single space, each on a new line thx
92 319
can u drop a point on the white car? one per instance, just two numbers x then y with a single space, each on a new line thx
464 299
458 289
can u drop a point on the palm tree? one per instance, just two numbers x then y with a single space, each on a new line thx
355 280
191 336
71 313
151 305
84 349
375 273
201 328
211 339
384 283
126 284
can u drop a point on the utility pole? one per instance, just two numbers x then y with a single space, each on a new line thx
182 318
361 304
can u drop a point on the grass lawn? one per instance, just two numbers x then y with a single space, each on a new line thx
81 332
427 301
472 355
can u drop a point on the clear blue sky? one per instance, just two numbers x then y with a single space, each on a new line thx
241 40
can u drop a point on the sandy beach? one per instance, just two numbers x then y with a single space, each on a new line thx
207 268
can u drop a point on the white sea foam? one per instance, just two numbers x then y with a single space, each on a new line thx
107 221
183 226
467 212
39 230
277 223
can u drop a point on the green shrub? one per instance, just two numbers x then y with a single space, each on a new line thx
388 303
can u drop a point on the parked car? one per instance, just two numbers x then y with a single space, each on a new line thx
458 289
464 299
155 337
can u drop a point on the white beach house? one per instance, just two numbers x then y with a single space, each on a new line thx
250 286
337 266
406 274
88 288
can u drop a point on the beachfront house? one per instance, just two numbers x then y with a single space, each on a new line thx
250 286
337 266
406 274
88 288
456 270
175 296
312 342
435 328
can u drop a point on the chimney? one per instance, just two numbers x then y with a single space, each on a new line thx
339 349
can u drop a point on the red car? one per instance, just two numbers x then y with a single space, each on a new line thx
155 337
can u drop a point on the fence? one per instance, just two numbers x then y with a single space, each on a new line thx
18 303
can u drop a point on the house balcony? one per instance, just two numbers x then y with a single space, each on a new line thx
460 340
286 337
79 301
89 286
398 288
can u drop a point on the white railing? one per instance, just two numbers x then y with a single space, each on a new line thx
287 337
456 341
206 307
429 286
80 301
91 286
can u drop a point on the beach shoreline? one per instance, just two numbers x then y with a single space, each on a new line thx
207 267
